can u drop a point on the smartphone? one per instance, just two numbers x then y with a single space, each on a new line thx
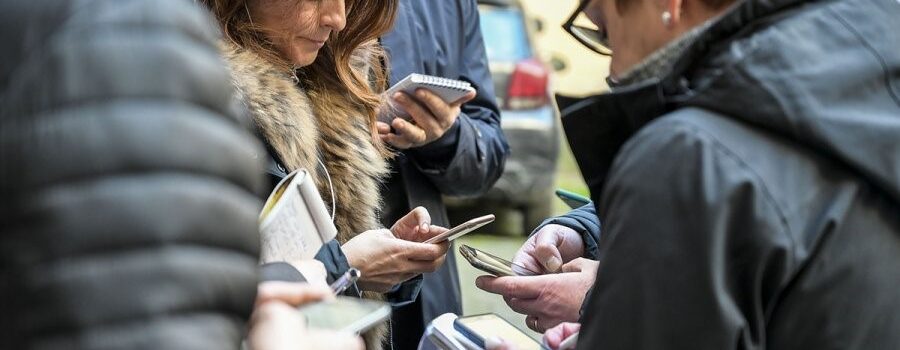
572 199
493 265
346 314
462 229
477 328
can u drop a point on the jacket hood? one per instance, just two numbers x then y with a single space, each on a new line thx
824 74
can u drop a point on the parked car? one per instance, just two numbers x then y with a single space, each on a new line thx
529 118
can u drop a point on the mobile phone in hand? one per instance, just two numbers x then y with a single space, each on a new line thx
493 265
462 229
477 328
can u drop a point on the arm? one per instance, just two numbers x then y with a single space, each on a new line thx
468 159
688 260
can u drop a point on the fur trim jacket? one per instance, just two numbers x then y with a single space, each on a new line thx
333 133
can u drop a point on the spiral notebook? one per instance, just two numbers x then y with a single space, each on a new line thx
450 90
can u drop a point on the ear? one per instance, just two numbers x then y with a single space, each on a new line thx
673 7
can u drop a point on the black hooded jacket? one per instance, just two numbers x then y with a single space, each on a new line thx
751 198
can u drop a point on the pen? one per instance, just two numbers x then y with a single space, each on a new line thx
346 280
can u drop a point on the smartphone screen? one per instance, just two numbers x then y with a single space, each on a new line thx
480 327
345 314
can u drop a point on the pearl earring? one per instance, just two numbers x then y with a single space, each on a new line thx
667 18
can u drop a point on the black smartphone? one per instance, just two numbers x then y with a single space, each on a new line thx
477 328
572 199
493 265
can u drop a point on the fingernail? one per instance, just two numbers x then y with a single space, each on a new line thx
492 342
424 227
553 264
399 97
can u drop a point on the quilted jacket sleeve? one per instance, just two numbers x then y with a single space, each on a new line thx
129 185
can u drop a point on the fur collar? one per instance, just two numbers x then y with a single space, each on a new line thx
301 133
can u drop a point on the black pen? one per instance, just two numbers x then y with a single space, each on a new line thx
346 280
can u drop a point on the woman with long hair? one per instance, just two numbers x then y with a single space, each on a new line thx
304 70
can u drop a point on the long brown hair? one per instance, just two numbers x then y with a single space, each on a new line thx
331 75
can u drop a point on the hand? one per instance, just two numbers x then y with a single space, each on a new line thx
416 226
385 261
432 118
497 343
555 336
548 300
277 325
548 249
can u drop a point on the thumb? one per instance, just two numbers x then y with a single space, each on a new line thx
468 97
576 265
546 250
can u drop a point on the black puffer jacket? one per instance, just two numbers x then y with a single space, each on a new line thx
756 202
129 187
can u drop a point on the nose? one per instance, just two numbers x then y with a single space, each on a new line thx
334 14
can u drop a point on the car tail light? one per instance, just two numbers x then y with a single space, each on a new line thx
528 86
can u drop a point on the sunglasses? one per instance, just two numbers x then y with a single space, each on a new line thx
594 39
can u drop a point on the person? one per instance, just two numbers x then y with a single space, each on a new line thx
128 198
744 166
454 148
302 70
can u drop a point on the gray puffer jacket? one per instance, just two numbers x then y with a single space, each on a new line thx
128 186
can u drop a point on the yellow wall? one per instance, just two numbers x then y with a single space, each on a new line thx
585 71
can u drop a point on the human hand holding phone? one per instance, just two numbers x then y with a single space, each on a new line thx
547 300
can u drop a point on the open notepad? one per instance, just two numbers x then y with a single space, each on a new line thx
294 222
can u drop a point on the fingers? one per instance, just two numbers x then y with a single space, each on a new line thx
294 294
462 100
383 128
332 340
579 265
513 287
421 218
496 343
425 251
546 249
407 135
533 307
424 116
554 337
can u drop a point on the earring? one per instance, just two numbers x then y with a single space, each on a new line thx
667 18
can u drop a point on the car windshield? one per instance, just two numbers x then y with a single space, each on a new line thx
505 36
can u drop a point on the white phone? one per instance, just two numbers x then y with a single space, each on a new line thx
346 314
462 229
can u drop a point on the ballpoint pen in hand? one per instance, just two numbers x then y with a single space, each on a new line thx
346 280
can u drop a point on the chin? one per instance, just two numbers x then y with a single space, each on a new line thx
303 59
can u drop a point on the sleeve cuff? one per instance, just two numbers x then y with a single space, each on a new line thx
280 271
405 293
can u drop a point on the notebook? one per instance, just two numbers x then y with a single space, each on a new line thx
450 90
294 222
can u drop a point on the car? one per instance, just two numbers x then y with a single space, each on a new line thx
529 117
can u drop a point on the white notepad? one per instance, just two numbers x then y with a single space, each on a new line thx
450 90
294 222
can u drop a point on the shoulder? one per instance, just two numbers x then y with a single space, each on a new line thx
701 158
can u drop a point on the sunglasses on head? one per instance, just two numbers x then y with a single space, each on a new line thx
594 39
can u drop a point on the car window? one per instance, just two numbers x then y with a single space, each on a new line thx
505 36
